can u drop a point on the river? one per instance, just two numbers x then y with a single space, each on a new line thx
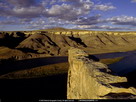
124 66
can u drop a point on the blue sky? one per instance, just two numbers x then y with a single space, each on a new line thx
106 15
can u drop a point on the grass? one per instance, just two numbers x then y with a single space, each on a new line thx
43 71
4 50
111 60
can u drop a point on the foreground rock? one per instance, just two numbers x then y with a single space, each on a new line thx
88 79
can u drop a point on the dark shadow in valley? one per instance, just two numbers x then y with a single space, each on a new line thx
78 40
131 78
12 40
51 87
30 63
26 50
94 58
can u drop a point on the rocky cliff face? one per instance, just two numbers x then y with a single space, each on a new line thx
89 79
98 42
57 43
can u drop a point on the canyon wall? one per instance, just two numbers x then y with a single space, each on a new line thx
76 33
92 42
89 79
57 43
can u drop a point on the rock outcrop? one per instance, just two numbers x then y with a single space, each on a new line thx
46 42
89 79
57 42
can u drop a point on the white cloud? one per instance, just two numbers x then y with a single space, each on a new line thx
29 12
58 9
51 13
61 9
123 20
104 27
89 20
69 11
22 3
9 22
104 7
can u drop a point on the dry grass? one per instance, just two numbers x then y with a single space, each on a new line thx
4 50
43 71
111 60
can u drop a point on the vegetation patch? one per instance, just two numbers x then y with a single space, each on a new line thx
43 71
111 60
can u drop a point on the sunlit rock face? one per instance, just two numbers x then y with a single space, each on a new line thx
93 42
90 79
57 43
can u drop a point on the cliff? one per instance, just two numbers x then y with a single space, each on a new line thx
89 79
98 42
57 43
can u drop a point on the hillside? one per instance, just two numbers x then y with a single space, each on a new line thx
57 41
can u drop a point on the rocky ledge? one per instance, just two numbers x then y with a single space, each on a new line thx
89 79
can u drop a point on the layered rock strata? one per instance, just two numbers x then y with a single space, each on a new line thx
89 79
57 43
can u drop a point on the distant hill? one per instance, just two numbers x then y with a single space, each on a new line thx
58 29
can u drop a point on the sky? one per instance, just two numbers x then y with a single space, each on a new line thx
102 15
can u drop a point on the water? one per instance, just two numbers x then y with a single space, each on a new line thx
114 55
53 87
124 66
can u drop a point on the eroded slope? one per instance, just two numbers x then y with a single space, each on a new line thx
57 43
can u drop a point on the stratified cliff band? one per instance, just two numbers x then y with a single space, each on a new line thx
31 44
89 79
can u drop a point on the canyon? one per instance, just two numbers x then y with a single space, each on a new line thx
33 44
47 54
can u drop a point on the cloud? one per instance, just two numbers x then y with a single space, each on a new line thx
104 7
89 20
62 9
104 27
23 12
133 1
42 23
34 14
22 3
69 11
9 22
123 20
20 8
